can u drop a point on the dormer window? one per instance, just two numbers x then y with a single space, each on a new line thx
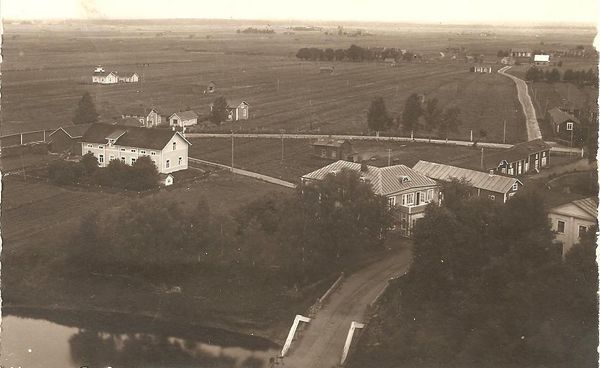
403 179
111 142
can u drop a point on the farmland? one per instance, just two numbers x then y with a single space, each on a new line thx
263 155
41 85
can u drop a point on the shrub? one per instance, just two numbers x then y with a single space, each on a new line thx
65 172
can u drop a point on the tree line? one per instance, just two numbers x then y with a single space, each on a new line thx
299 237
487 287
579 77
353 53
418 114
142 175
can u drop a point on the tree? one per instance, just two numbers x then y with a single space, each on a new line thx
412 112
329 54
554 76
86 110
449 121
144 175
65 172
432 114
218 111
90 163
377 116
340 54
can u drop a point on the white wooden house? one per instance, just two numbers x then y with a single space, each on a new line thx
183 119
167 149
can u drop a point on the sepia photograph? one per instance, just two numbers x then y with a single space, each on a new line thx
299 184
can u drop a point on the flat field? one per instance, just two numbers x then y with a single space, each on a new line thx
263 155
47 67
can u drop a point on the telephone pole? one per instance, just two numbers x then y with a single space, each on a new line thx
282 147
504 136
232 150
389 157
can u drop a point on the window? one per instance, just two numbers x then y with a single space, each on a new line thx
391 201
174 146
101 159
180 161
112 157
429 195
492 197
168 163
582 230
133 150
123 159
153 153
560 227
132 161
123 149
323 152
408 199
334 154
569 126
90 146
515 186
101 147
143 152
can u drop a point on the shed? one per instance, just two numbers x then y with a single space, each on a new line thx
335 149
67 139
326 70
166 180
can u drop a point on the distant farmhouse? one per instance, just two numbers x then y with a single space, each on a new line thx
519 159
337 149
67 139
566 127
237 110
481 69
147 117
211 87
327 70
407 191
571 220
183 119
541 60
495 187
100 76
167 149
521 53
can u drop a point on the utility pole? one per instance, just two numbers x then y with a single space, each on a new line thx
504 136
282 147
471 135
389 157
481 158
232 150
277 84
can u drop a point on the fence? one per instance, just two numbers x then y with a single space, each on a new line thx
19 139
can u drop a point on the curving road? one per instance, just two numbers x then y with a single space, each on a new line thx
322 343
533 128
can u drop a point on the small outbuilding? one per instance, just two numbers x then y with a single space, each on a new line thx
567 127
211 87
541 60
183 118
335 149
481 69
327 70
166 180
67 139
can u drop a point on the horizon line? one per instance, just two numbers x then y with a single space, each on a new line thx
577 24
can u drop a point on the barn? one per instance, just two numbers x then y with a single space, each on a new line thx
67 139
335 149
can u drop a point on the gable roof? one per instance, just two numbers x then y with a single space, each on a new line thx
130 136
383 180
517 152
589 205
557 116
185 115
235 103
329 142
477 179
73 131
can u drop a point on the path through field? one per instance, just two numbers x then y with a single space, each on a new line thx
323 341
533 128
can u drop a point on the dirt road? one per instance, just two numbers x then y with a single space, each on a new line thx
533 128
322 342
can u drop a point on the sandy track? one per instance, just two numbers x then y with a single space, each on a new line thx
533 128
322 342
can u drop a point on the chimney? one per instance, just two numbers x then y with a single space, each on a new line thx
364 167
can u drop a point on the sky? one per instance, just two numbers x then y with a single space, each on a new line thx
427 11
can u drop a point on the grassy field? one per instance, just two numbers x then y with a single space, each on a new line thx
41 85
263 155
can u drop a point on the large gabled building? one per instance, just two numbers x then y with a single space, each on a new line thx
520 159
407 191
167 149
571 220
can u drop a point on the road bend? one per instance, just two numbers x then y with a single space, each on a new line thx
533 127
322 343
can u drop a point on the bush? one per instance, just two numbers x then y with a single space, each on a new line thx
65 172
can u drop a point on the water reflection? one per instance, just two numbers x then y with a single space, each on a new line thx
35 343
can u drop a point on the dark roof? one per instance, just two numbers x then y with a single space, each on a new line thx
517 152
328 142
557 116
477 179
130 136
74 131
186 115
383 180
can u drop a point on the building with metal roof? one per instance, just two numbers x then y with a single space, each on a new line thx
492 186
571 220
408 192
519 159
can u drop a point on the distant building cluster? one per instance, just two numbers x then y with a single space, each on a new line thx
100 76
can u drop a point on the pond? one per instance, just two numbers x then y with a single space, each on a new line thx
40 343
